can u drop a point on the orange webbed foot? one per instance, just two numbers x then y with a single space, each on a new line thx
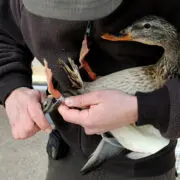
88 69
84 51
54 92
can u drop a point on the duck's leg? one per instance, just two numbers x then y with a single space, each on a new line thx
84 51
53 92
73 73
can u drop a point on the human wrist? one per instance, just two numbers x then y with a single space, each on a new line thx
11 82
14 93
153 108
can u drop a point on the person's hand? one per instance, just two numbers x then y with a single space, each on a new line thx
102 111
25 115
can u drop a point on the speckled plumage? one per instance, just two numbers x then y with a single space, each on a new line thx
150 30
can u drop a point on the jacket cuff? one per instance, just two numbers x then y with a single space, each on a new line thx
11 82
154 108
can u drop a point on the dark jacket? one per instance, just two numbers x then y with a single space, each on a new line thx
24 36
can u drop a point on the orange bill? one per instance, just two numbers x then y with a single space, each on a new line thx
111 37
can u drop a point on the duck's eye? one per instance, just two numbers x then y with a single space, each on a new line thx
147 26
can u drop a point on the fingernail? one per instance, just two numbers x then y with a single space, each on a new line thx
48 130
69 101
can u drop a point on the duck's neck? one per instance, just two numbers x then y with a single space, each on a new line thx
168 64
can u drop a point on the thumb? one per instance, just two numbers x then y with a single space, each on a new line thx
83 100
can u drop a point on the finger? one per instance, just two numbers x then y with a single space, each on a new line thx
83 100
73 115
92 131
43 96
38 117
19 132
27 125
35 130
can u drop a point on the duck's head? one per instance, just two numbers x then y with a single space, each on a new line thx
150 30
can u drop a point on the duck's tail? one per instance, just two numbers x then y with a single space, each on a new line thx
103 152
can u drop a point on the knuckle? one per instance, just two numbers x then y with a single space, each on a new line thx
87 131
36 107
37 93
65 117
38 118
42 123
15 136
15 133
81 100
34 116
99 95
44 126
33 92
87 123
19 136
22 137
33 95
29 127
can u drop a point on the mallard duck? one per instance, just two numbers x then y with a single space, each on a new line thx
142 140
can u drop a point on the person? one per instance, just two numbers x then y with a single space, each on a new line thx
52 29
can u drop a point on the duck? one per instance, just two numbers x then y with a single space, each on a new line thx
146 140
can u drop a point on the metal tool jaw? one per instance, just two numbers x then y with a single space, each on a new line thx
50 104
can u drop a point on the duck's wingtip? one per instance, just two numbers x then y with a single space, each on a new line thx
89 167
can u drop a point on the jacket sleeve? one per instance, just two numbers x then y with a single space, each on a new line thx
15 58
161 109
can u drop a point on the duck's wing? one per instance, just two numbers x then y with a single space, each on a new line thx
129 81
103 152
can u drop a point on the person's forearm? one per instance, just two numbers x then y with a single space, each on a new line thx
153 108
15 57
173 129
14 69
161 108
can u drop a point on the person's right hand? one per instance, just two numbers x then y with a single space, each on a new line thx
23 108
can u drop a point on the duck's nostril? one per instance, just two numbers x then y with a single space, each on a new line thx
122 33
117 34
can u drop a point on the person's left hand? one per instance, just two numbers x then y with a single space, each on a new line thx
102 111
